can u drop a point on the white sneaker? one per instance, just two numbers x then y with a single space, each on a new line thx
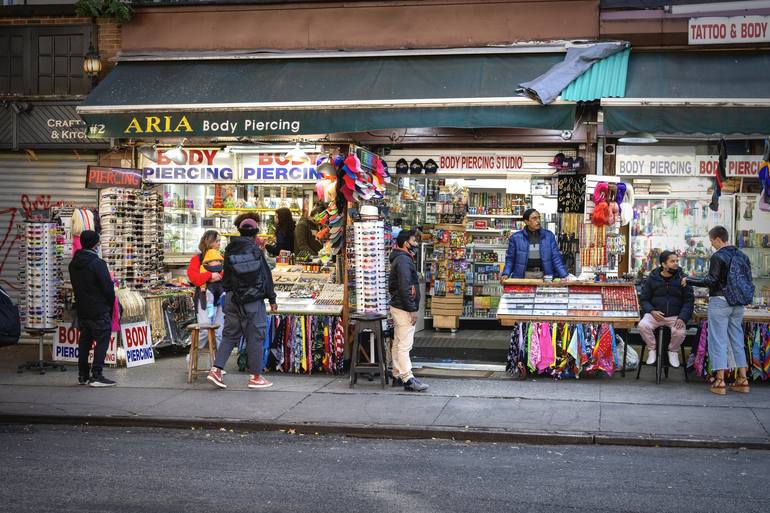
673 359
652 357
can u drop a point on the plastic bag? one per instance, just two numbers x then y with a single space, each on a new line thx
632 360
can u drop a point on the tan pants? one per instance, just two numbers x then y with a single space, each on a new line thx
403 339
648 325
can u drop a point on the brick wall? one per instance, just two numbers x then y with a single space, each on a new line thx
109 42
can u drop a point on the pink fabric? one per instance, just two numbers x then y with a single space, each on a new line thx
76 245
116 316
547 356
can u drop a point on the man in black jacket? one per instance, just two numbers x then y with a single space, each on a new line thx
404 290
666 301
94 301
247 282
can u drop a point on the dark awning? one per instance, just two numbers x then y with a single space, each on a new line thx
693 93
287 96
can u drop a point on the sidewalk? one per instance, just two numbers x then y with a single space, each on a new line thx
595 410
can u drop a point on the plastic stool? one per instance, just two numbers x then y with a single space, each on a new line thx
192 365
371 324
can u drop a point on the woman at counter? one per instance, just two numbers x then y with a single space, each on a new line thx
284 233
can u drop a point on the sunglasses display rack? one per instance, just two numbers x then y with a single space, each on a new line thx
42 273
132 236
371 278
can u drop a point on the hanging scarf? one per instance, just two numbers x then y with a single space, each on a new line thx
545 340
765 342
702 351
339 346
512 361
533 346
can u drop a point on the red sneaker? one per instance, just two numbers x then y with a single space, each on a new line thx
257 381
215 376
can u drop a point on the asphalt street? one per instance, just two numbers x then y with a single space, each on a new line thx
100 469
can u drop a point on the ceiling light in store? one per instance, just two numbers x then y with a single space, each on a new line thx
639 138
297 155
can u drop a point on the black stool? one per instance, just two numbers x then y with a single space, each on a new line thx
371 324
663 334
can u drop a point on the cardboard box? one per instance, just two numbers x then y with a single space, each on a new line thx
446 311
447 300
445 321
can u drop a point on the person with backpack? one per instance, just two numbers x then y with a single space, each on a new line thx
730 289
247 282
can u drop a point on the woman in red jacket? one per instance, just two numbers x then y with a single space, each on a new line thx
199 277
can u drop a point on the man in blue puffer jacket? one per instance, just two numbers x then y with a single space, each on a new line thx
533 249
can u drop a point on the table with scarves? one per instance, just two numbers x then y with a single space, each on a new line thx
566 329
756 337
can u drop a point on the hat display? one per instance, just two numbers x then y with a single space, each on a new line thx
369 211
430 167
415 167
402 167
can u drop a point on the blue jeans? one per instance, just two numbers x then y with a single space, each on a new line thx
725 327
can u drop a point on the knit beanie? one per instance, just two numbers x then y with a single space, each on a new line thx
89 239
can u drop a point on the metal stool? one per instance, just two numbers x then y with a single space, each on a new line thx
192 365
663 334
371 324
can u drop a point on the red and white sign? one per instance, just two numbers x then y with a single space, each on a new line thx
65 346
276 167
742 166
732 30
188 165
137 341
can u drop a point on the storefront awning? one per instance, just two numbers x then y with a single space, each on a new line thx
254 97
693 93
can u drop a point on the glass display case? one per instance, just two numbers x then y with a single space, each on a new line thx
665 223
190 210
753 236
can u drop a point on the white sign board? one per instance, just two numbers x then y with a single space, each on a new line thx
65 346
728 30
137 341
276 167
742 166
655 165
189 165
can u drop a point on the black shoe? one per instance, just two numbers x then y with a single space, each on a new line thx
82 380
397 382
101 381
414 385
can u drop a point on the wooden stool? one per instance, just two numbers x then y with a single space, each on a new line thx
370 324
192 365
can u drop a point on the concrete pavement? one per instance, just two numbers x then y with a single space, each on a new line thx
595 410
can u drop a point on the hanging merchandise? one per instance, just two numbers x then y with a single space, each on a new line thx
562 350
82 219
572 189
764 178
601 213
304 344
720 176
132 236
626 203
370 276
43 250
757 346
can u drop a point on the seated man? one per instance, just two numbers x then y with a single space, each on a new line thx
665 302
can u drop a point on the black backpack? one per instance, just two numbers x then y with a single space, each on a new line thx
10 322
247 272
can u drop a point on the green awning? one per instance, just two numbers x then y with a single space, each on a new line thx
291 96
709 93
605 79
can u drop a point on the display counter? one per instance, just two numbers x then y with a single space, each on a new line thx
569 301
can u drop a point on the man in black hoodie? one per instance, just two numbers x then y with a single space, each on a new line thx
94 301
248 282
665 302
404 290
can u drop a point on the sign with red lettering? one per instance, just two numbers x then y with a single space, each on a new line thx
65 346
276 167
480 162
742 166
98 177
187 165
729 30
137 341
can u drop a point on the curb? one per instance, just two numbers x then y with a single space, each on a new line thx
396 432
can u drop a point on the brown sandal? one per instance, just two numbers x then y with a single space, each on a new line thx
741 386
717 388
